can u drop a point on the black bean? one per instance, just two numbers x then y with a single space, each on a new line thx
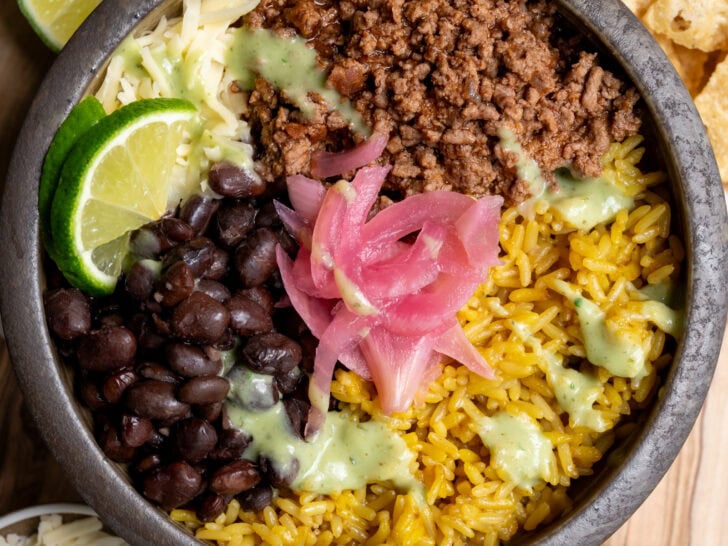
140 279
176 284
193 439
200 319
204 390
198 254
260 295
232 181
198 212
91 394
189 361
135 431
234 222
210 506
279 476
297 412
153 370
247 317
161 325
220 265
288 322
107 349
155 400
255 258
231 444
234 478
173 485
111 444
148 463
288 382
114 385
256 498
226 342
267 216
217 291
271 353
67 312
177 230
209 411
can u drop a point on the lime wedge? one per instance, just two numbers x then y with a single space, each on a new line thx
115 179
55 21
83 116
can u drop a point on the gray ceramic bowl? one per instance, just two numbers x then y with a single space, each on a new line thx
602 502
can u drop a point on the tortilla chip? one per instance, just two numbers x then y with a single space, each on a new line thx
712 103
689 63
638 7
695 24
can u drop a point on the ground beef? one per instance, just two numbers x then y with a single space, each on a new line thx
440 77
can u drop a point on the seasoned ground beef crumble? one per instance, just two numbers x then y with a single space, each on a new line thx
440 77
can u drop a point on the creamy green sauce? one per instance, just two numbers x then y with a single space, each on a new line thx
585 203
344 455
581 203
526 166
519 450
604 347
575 391
291 66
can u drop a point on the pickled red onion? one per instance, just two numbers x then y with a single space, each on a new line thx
383 307
327 164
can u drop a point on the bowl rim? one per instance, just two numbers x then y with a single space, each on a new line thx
30 512
615 497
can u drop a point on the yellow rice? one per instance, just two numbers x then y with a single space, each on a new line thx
468 501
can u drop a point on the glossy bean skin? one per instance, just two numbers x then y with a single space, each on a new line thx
172 485
200 319
198 254
260 295
110 442
107 349
234 478
154 370
190 361
68 313
209 412
176 229
115 384
234 222
247 317
219 266
198 211
140 280
231 445
176 284
194 438
155 400
210 506
204 390
255 258
135 431
278 477
231 181
256 498
217 291
271 354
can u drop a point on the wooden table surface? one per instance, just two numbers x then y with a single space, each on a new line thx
687 508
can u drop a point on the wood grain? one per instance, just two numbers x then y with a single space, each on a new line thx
687 508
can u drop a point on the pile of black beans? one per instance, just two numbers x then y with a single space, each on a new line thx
149 358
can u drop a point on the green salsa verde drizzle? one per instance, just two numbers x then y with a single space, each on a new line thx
520 452
291 66
575 391
344 455
581 203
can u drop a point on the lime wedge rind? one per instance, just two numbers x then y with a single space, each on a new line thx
56 26
74 192
83 116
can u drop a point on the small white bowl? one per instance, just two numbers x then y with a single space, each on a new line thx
25 522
